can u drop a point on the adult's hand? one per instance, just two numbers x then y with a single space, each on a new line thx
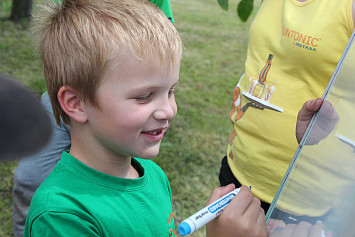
325 123
303 229
274 224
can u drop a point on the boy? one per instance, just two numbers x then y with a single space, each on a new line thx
32 170
111 69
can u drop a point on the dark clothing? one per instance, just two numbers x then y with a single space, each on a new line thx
226 177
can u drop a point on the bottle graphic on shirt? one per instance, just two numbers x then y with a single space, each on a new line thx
260 87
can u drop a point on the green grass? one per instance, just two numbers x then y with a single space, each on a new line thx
215 47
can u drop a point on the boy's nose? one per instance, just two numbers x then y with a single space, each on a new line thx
166 110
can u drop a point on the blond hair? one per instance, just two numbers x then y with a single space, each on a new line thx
77 39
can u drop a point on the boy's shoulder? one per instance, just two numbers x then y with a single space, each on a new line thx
76 192
72 180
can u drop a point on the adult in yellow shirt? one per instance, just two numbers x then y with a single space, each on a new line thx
306 39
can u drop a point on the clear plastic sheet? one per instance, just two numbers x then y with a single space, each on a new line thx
319 186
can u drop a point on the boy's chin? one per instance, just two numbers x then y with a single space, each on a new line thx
148 157
149 154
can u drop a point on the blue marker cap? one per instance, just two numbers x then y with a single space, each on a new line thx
184 229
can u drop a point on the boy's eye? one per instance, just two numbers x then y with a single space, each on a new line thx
172 92
143 98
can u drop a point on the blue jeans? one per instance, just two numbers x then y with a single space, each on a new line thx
32 171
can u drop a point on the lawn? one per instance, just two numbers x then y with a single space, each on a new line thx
215 47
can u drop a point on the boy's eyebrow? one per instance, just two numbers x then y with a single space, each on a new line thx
153 87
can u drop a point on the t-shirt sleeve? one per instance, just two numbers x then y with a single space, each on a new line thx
62 224
165 6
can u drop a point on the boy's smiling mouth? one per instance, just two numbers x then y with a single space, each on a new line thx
156 134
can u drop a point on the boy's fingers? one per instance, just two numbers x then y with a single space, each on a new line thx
217 193
261 222
253 210
241 202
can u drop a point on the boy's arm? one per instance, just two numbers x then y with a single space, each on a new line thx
242 217
51 224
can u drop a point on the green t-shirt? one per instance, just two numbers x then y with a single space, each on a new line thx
76 200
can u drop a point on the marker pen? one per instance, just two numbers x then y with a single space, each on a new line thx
206 214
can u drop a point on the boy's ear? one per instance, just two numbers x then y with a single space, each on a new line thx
71 104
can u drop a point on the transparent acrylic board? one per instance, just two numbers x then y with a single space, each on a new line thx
319 185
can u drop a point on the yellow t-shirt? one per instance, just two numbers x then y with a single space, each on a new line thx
306 40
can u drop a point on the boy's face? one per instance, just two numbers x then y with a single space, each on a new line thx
137 105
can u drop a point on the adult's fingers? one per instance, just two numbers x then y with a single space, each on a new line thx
274 224
308 109
316 230
302 229
305 115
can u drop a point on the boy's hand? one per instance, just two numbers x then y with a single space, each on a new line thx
324 124
242 217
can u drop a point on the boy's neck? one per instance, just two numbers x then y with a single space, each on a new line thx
101 160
